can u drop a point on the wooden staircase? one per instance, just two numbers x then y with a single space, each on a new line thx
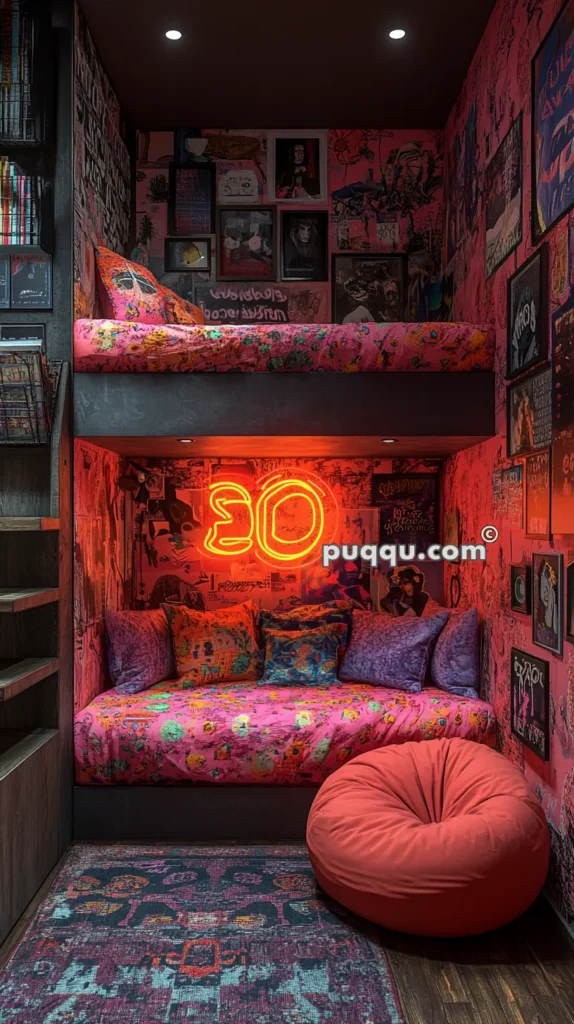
36 700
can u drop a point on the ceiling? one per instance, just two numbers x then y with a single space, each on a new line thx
259 64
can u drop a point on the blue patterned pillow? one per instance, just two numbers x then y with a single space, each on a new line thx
308 657
310 616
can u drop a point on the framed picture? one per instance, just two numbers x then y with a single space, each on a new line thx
530 701
370 288
30 282
4 282
23 335
521 589
191 200
537 501
529 414
547 607
304 245
570 603
507 494
297 166
246 244
408 506
186 254
503 198
552 165
563 414
527 337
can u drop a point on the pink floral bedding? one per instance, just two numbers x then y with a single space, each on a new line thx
114 346
241 733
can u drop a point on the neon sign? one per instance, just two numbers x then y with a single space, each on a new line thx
284 522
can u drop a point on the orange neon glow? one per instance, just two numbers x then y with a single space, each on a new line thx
224 497
273 495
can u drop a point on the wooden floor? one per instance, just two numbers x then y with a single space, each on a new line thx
522 974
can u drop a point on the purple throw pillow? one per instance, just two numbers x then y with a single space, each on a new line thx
455 659
140 651
390 652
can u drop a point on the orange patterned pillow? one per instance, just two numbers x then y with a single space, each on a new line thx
127 290
214 647
180 311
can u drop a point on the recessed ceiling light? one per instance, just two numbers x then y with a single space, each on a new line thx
174 33
397 33
186 440
388 440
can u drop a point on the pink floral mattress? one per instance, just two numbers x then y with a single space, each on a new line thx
241 733
112 346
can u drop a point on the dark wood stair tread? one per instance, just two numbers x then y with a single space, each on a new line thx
21 600
18 674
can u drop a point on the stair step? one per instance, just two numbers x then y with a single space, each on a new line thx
35 523
22 600
17 745
19 675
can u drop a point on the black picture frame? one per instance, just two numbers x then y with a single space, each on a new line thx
172 266
496 169
569 632
31 282
551 566
538 494
198 221
540 231
530 701
400 260
240 212
537 268
521 589
525 387
311 261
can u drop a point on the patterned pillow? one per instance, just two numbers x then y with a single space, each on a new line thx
309 616
214 647
140 652
308 657
390 652
455 659
180 311
127 290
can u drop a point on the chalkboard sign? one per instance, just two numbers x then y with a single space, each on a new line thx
529 409
527 341
538 495
563 419
191 204
529 690
242 303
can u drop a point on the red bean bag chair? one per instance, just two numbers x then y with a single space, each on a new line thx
442 837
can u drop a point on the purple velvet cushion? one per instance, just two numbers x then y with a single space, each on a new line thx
140 651
390 652
455 659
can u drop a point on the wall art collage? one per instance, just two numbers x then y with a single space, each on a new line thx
509 239
295 226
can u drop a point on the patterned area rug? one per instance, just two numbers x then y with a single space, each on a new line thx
214 935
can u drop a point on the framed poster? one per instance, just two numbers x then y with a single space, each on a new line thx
4 282
547 607
503 198
563 418
297 166
552 164
30 282
369 289
527 315
183 255
191 200
530 701
570 603
507 494
246 244
521 589
529 414
537 500
408 515
304 245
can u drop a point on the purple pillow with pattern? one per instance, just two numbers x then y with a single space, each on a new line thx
390 652
455 659
140 651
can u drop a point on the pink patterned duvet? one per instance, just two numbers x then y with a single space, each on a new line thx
114 346
241 733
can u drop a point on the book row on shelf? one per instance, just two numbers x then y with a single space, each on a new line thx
17 122
20 196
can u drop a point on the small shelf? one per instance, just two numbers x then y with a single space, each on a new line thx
12 524
18 675
23 600
17 745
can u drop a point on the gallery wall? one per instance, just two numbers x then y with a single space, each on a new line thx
488 183
381 192
101 168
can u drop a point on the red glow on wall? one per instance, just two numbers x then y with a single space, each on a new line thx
285 520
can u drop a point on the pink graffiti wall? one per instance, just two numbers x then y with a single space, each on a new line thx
496 90
382 191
